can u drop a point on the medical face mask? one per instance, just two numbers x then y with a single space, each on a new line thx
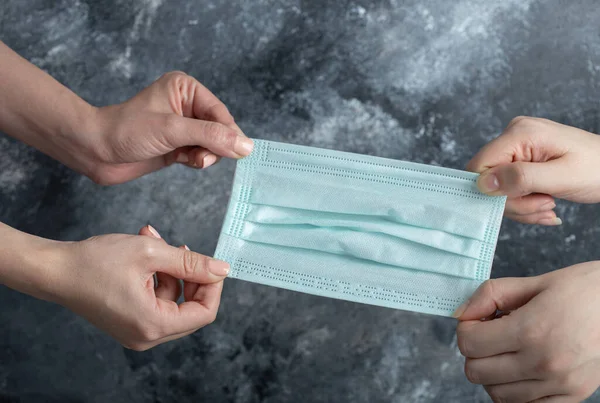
359 228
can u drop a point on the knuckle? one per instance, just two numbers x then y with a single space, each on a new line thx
98 176
544 367
516 120
193 262
147 333
174 75
532 334
189 262
487 288
471 373
219 134
229 137
94 238
524 130
147 248
551 366
520 178
136 346
520 123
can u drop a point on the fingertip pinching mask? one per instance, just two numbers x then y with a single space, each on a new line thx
359 228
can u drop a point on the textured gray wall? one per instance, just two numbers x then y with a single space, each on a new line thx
423 81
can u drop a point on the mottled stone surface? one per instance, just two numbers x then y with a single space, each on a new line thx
423 81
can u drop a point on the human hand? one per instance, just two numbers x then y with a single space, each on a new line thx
535 160
109 281
175 119
545 346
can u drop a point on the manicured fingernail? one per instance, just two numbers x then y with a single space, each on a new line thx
182 158
488 183
461 309
548 206
218 267
550 221
153 231
208 160
243 146
186 247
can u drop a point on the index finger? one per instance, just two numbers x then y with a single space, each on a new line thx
477 339
191 315
501 150
207 106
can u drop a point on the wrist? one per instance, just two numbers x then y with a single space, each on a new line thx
76 140
30 264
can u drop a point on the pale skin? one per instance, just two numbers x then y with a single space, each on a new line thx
109 279
544 349
546 345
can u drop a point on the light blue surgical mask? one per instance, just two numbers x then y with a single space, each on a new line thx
359 228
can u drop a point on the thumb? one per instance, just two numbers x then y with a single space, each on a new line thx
221 140
504 294
187 265
522 178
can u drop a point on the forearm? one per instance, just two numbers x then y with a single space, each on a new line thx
38 110
28 264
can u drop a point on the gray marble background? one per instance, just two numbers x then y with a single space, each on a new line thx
425 81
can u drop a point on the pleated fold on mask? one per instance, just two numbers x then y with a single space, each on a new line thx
368 218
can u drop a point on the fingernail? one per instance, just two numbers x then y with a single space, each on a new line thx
461 309
208 160
550 221
488 183
186 247
218 267
153 231
243 146
548 206
182 157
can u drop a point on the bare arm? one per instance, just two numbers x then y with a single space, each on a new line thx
38 110
25 262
